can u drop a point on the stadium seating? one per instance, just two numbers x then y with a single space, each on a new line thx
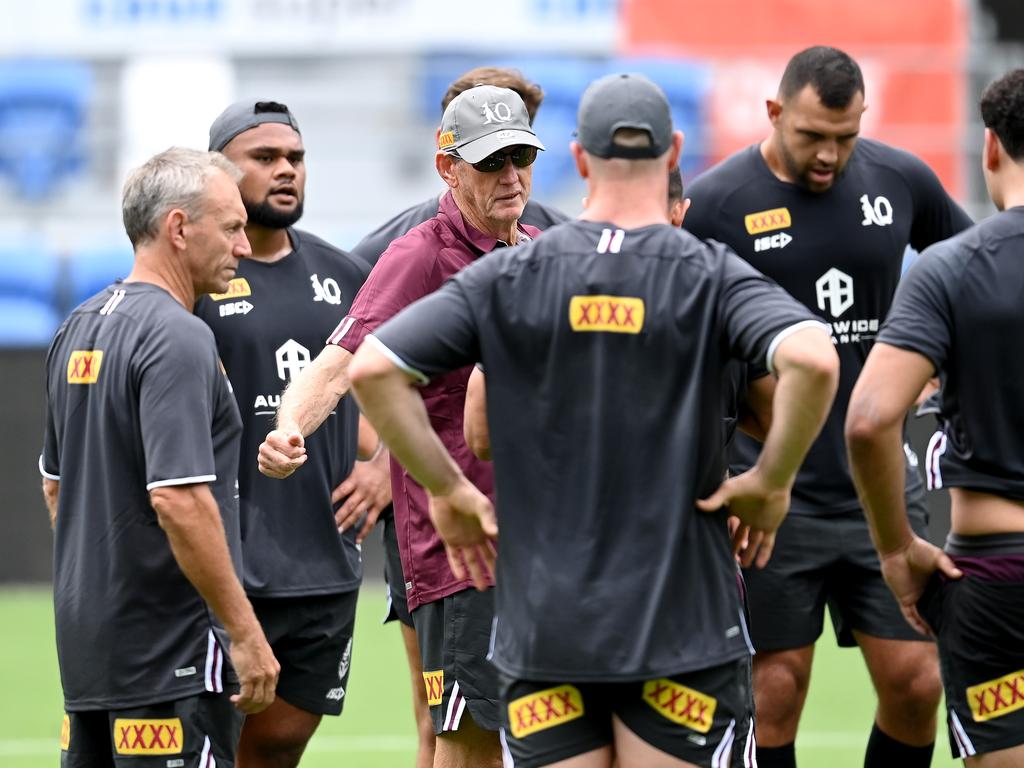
29 285
91 270
42 111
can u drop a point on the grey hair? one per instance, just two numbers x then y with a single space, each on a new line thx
175 178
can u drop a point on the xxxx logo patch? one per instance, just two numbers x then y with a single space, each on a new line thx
680 704
434 682
766 221
237 288
65 733
148 737
997 697
445 140
544 709
84 366
612 314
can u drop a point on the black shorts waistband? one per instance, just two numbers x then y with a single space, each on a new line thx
993 544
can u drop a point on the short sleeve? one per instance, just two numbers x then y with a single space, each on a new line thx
435 335
937 216
756 313
404 274
177 391
49 458
921 317
49 462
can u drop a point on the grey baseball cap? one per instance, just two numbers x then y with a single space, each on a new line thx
484 119
623 101
243 115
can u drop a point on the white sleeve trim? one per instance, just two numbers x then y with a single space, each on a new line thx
421 377
181 481
44 473
786 333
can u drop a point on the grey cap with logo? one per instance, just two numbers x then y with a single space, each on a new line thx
484 119
623 101
243 115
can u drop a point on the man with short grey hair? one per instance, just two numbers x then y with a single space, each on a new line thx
485 151
155 637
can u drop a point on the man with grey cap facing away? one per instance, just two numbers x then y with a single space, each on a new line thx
618 626
302 574
485 151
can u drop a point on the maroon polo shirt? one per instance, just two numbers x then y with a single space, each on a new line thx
413 266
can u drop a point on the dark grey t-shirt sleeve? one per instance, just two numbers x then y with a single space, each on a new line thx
49 465
921 317
937 216
756 313
177 388
434 335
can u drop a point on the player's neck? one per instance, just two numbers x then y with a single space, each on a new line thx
268 245
773 159
628 204
162 270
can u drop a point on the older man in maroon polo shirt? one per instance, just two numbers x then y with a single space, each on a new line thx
486 148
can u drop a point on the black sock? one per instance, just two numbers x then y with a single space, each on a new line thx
776 757
884 751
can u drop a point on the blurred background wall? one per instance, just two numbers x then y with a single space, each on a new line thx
90 88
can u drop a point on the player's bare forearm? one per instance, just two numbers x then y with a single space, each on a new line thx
314 393
808 374
475 428
51 491
189 516
386 396
887 387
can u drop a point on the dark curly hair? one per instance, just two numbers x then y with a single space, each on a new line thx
1002 110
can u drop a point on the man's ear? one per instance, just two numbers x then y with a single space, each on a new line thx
993 151
445 165
774 110
580 158
175 223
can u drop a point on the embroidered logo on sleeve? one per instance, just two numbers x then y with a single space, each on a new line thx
65 733
84 366
680 704
545 709
610 314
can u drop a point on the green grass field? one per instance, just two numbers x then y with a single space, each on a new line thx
376 729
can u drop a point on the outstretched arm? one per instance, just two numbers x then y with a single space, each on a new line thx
306 403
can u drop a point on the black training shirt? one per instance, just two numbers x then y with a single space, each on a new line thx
605 353
962 306
270 324
839 253
136 400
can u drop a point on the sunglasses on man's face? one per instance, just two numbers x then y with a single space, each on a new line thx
521 157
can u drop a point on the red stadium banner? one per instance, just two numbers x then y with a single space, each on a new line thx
913 54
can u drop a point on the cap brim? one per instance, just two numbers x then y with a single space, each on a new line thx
476 150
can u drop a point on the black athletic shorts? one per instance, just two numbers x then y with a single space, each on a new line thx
394 579
454 636
311 636
979 622
704 717
199 731
825 560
